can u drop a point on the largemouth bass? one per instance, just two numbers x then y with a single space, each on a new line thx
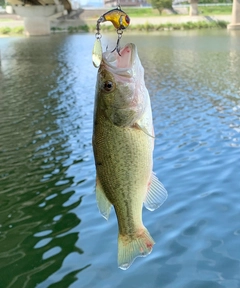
123 142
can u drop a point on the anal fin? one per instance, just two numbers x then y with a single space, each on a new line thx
156 194
103 203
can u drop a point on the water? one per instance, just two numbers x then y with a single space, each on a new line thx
51 233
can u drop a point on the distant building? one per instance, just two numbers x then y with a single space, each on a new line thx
124 3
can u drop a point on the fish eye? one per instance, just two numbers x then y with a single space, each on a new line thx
108 86
127 19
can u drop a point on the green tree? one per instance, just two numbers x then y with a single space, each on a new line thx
2 3
160 5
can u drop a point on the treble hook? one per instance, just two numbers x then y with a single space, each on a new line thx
117 48
120 21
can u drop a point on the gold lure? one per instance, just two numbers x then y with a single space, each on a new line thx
119 18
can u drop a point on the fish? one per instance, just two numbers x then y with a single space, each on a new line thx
123 143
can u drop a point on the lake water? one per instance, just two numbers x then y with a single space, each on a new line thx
51 233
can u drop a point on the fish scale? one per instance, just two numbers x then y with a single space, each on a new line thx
123 154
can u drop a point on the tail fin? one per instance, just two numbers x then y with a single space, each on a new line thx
131 247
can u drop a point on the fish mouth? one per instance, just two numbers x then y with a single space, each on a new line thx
123 62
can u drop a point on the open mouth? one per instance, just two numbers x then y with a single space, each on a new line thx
121 64
126 58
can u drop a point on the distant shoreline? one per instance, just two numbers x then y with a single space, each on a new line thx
158 23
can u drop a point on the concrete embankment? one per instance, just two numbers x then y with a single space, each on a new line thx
11 21
16 21
179 19
64 24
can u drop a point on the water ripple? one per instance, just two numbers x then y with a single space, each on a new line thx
51 232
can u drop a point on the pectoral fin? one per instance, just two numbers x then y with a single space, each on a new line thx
156 194
143 129
103 203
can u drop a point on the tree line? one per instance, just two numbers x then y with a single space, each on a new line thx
160 5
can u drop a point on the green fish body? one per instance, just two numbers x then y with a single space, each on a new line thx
123 142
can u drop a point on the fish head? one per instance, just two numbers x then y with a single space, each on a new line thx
120 89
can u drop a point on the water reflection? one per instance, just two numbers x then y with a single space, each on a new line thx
40 144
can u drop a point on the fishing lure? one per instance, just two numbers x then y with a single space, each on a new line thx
119 18
120 21
97 51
